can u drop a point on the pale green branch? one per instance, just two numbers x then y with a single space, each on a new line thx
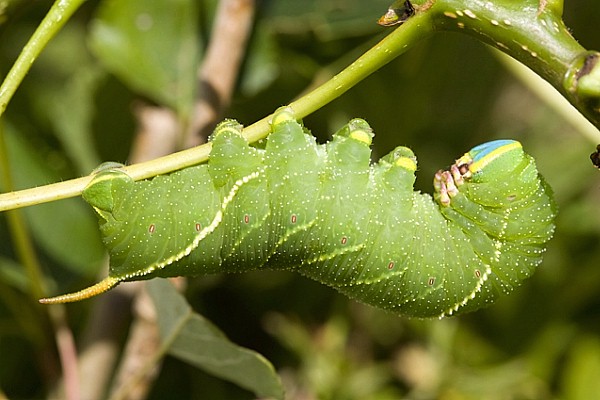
385 51
530 31
59 13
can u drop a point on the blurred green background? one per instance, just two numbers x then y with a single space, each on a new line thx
444 96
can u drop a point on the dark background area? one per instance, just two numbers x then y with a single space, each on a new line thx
441 98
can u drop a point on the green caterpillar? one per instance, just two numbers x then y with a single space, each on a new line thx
326 212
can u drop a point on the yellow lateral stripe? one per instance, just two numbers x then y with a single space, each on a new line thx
406 163
361 136
480 164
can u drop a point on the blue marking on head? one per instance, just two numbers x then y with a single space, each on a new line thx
479 152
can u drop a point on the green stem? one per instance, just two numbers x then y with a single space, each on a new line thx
385 51
531 31
57 16
28 258
18 230
59 13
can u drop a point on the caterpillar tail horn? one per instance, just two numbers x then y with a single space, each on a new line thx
100 287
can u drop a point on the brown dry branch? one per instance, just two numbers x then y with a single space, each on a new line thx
220 69
158 134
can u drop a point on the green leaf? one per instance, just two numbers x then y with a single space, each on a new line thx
73 110
197 341
152 46
62 89
66 229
